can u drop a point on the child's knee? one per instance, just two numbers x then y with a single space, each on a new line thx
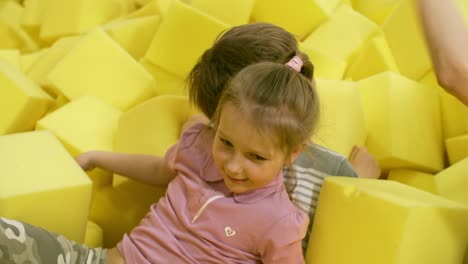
15 243
24 243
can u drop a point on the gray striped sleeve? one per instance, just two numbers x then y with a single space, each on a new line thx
308 174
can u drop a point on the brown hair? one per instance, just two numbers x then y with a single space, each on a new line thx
234 50
281 102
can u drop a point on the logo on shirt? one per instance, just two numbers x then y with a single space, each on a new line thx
229 231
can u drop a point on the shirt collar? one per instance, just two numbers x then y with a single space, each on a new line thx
210 173
258 194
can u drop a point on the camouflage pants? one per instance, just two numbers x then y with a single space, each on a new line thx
21 243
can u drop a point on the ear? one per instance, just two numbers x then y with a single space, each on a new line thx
298 151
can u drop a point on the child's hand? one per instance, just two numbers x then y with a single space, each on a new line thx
85 160
364 163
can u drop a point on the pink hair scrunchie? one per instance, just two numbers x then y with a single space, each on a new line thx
295 63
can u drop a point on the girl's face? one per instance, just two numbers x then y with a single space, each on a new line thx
246 159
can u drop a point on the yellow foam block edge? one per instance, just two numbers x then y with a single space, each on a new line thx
421 180
451 183
115 77
58 194
22 101
418 227
457 148
342 124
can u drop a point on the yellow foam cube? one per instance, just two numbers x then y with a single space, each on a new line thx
13 35
22 102
139 197
11 56
462 8
151 8
42 184
184 34
34 11
163 6
375 57
165 82
300 17
143 2
98 66
94 235
31 20
73 17
451 182
125 6
377 11
457 148
232 12
75 125
408 45
345 24
59 101
421 180
331 5
117 213
342 123
347 2
325 66
39 70
11 12
377 221
26 60
139 129
403 122
134 35
454 114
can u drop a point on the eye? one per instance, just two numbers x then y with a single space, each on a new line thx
225 142
256 157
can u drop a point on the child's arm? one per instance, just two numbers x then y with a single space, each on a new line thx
148 169
447 38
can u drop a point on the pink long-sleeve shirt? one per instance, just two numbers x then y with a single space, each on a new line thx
200 221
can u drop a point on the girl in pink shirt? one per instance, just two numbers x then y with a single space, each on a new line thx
226 201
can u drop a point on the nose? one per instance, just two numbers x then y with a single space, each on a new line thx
233 165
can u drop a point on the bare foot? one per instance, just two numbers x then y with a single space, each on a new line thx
364 163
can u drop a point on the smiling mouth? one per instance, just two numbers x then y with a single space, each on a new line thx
237 180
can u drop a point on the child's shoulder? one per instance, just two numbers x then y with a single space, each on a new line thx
279 207
194 129
284 216
198 132
324 161
194 147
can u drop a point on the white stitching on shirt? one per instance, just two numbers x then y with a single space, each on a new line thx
211 199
